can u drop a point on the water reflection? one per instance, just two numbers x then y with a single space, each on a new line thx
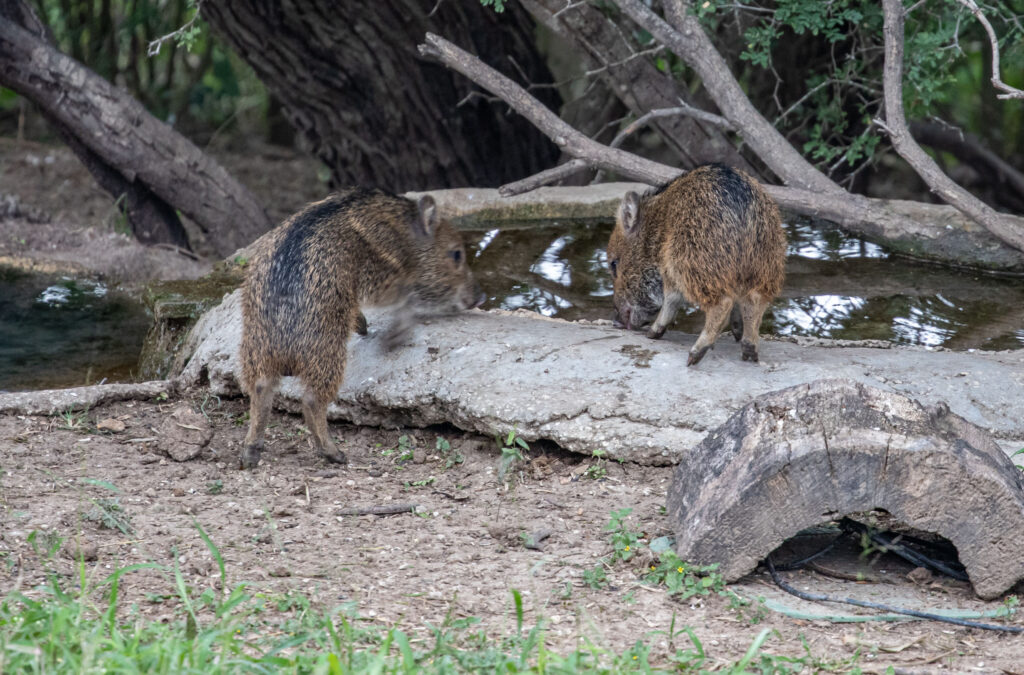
836 287
66 333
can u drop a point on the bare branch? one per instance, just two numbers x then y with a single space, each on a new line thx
564 136
546 177
1011 92
681 109
896 126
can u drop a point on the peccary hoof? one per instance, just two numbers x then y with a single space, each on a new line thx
749 350
335 456
797 457
655 334
695 356
250 456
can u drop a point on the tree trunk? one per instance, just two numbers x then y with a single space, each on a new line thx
129 152
376 113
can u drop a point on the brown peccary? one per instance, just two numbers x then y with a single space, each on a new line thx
306 283
711 237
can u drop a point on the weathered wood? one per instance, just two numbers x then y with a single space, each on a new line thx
120 132
794 458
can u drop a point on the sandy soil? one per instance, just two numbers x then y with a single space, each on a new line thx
278 529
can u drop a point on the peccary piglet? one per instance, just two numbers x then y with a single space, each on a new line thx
711 237
306 283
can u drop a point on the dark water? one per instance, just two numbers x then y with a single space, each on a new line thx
836 287
60 332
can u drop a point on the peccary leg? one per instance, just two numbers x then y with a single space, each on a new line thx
715 317
736 323
673 301
752 307
261 399
314 410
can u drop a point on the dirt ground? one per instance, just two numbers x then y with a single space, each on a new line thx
278 527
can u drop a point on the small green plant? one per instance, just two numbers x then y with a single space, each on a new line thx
683 579
215 487
598 469
402 452
241 420
1019 452
512 447
44 544
74 421
108 513
419 483
624 541
450 456
596 577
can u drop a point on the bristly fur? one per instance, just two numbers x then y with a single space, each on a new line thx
306 283
715 237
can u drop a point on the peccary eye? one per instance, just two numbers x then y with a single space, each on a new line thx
456 256
615 268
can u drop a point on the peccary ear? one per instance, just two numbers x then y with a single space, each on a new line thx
426 216
629 210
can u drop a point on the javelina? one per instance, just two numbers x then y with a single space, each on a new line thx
711 237
306 283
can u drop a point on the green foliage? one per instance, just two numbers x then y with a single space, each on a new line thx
624 541
1019 452
835 50
512 447
498 5
450 456
108 513
683 579
192 81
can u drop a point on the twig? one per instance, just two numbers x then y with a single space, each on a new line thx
545 177
154 47
681 109
564 135
379 510
1011 92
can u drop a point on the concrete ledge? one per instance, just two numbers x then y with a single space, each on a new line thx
594 387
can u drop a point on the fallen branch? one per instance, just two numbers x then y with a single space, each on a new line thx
379 510
895 125
546 177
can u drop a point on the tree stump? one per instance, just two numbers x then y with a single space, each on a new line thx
800 456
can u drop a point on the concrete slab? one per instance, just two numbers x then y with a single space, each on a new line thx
595 387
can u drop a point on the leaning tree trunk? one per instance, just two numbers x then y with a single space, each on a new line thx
128 150
374 111
151 220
